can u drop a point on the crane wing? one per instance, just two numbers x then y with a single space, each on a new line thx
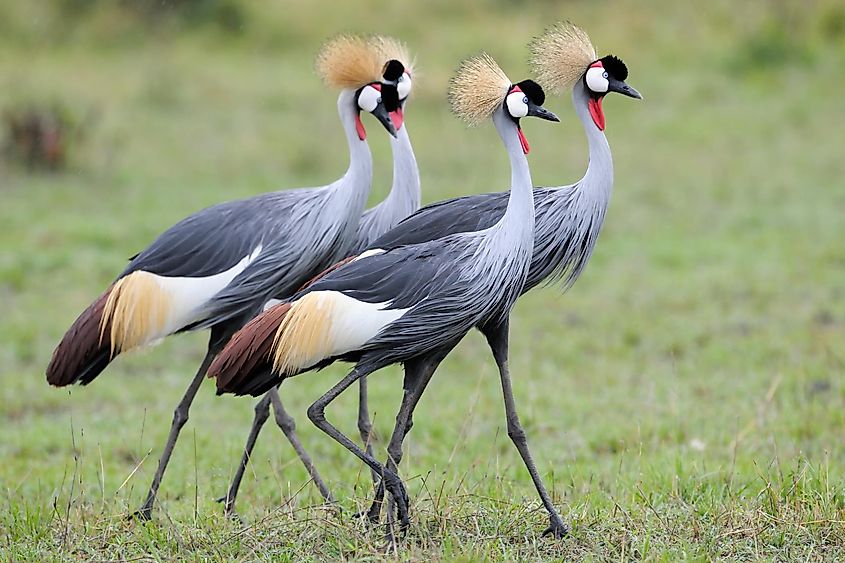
214 239
457 215
402 277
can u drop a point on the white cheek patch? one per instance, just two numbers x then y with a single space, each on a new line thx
369 98
404 86
596 80
517 103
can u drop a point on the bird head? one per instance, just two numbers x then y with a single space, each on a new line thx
525 99
354 63
480 88
563 55
605 75
397 71
378 99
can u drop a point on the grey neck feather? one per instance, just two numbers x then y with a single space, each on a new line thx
404 196
597 182
354 187
502 257
518 219
575 213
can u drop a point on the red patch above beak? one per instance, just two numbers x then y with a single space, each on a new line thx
359 127
398 118
596 112
523 141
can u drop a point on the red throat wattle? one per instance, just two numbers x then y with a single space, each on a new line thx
523 141
398 118
359 127
596 112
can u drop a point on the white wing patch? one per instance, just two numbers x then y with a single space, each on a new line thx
325 324
143 307
189 294
367 253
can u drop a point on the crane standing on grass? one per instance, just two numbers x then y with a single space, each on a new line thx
217 268
402 201
399 305
568 221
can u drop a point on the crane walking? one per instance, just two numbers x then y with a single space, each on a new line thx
402 200
218 267
568 221
399 305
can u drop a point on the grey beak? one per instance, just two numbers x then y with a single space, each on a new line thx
542 113
381 114
621 87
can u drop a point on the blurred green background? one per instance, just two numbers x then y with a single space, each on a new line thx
684 399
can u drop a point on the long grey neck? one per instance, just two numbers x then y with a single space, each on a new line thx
404 196
354 186
518 219
597 183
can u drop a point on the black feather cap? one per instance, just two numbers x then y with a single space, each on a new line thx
615 67
393 70
533 91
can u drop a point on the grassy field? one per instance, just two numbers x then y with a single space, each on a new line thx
685 399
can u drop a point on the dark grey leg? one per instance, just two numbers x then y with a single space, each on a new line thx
316 413
262 413
497 338
180 417
365 428
418 374
288 426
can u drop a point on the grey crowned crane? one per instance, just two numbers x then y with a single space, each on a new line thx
394 306
218 267
568 221
402 200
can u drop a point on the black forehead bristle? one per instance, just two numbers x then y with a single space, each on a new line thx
615 67
533 90
393 70
390 97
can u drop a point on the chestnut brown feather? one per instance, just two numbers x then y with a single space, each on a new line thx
82 354
249 349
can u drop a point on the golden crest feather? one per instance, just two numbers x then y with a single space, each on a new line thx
561 55
478 87
349 61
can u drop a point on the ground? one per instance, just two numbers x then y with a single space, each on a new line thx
685 399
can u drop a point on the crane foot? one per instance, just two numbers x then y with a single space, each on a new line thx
557 529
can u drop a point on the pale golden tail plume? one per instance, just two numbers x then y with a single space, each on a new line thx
248 352
305 334
85 350
137 309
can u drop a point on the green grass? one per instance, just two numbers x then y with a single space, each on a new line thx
684 400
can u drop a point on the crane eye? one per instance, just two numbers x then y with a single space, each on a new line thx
517 104
369 98
597 80
404 86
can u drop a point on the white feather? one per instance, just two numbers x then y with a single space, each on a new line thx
370 252
356 322
189 294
